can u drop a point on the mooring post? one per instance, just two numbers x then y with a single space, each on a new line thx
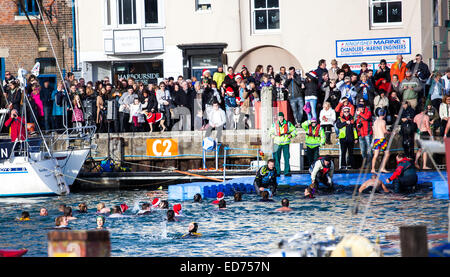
79 243
414 241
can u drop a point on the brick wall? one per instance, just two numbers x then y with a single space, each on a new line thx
18 37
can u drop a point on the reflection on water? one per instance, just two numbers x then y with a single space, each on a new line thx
248 228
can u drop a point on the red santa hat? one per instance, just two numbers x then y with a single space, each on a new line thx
205 71
220 195
238 76
123 207
155 202
312 74
177 209
230 89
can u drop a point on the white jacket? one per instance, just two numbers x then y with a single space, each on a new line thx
330 115
217 117
444 110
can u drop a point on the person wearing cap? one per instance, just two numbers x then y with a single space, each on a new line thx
229 80
348 137
192 231
380 142
266 178
177 209
344 102
321 171
220 196
219 76
333 71
231 106
155 203
364 124
315 138
282 132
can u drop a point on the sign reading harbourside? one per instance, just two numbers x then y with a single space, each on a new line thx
373 47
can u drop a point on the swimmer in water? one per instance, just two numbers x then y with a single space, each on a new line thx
62 222
198 198
123 207
373 182
68 213
25 216
177 209
82 208
220 196
237 196
155 203
265 197
116 211
145 209
100 222
193 227
43 212
222 205
61 207
101 209
164 204
171 216
284 206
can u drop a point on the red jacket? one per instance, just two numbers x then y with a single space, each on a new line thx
17 128
364 118
379 85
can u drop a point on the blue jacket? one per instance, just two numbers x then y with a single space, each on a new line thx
57 110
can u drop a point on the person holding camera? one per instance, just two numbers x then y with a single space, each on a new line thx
17 125
295 86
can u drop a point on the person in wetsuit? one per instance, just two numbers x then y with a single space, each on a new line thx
321 171
193 227
405 175
266 178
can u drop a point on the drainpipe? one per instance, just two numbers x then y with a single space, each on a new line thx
75 58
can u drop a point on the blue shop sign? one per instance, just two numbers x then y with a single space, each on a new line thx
373 47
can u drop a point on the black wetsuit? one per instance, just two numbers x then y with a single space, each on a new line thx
266 178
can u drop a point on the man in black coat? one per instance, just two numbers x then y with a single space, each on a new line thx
47 101
383 72
184 102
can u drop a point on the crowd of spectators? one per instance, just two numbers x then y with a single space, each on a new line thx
335 97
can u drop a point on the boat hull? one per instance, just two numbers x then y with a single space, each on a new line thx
71 162
24 177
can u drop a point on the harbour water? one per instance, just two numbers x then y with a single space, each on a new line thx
246 229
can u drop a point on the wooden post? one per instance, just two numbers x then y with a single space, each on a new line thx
79 244
414 241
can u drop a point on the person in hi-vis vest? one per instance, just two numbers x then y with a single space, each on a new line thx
282 132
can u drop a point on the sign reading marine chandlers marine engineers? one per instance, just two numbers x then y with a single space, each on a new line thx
373 47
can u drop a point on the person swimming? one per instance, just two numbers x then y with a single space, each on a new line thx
82 208
61 222
222 205
198 198
116 211
155 203
123 207
101 209
100 222
284 206
237 196
145 209
164 204
61 207
68 213
374 182
25 216
220 196
193 228
43 212
177 209
171 216
265 196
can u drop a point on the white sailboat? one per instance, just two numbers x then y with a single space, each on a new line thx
25 170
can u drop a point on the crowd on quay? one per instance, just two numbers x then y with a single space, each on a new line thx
322 101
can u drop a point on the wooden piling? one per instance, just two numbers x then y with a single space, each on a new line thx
413 241
79 244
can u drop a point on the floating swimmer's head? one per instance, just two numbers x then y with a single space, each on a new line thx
100 221
285 202
193 227
198 198
25 215
164 204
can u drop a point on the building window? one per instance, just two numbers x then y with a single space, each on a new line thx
266 15
127 12
202 5
386 12
151 11
28 6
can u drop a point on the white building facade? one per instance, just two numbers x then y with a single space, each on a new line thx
154 39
